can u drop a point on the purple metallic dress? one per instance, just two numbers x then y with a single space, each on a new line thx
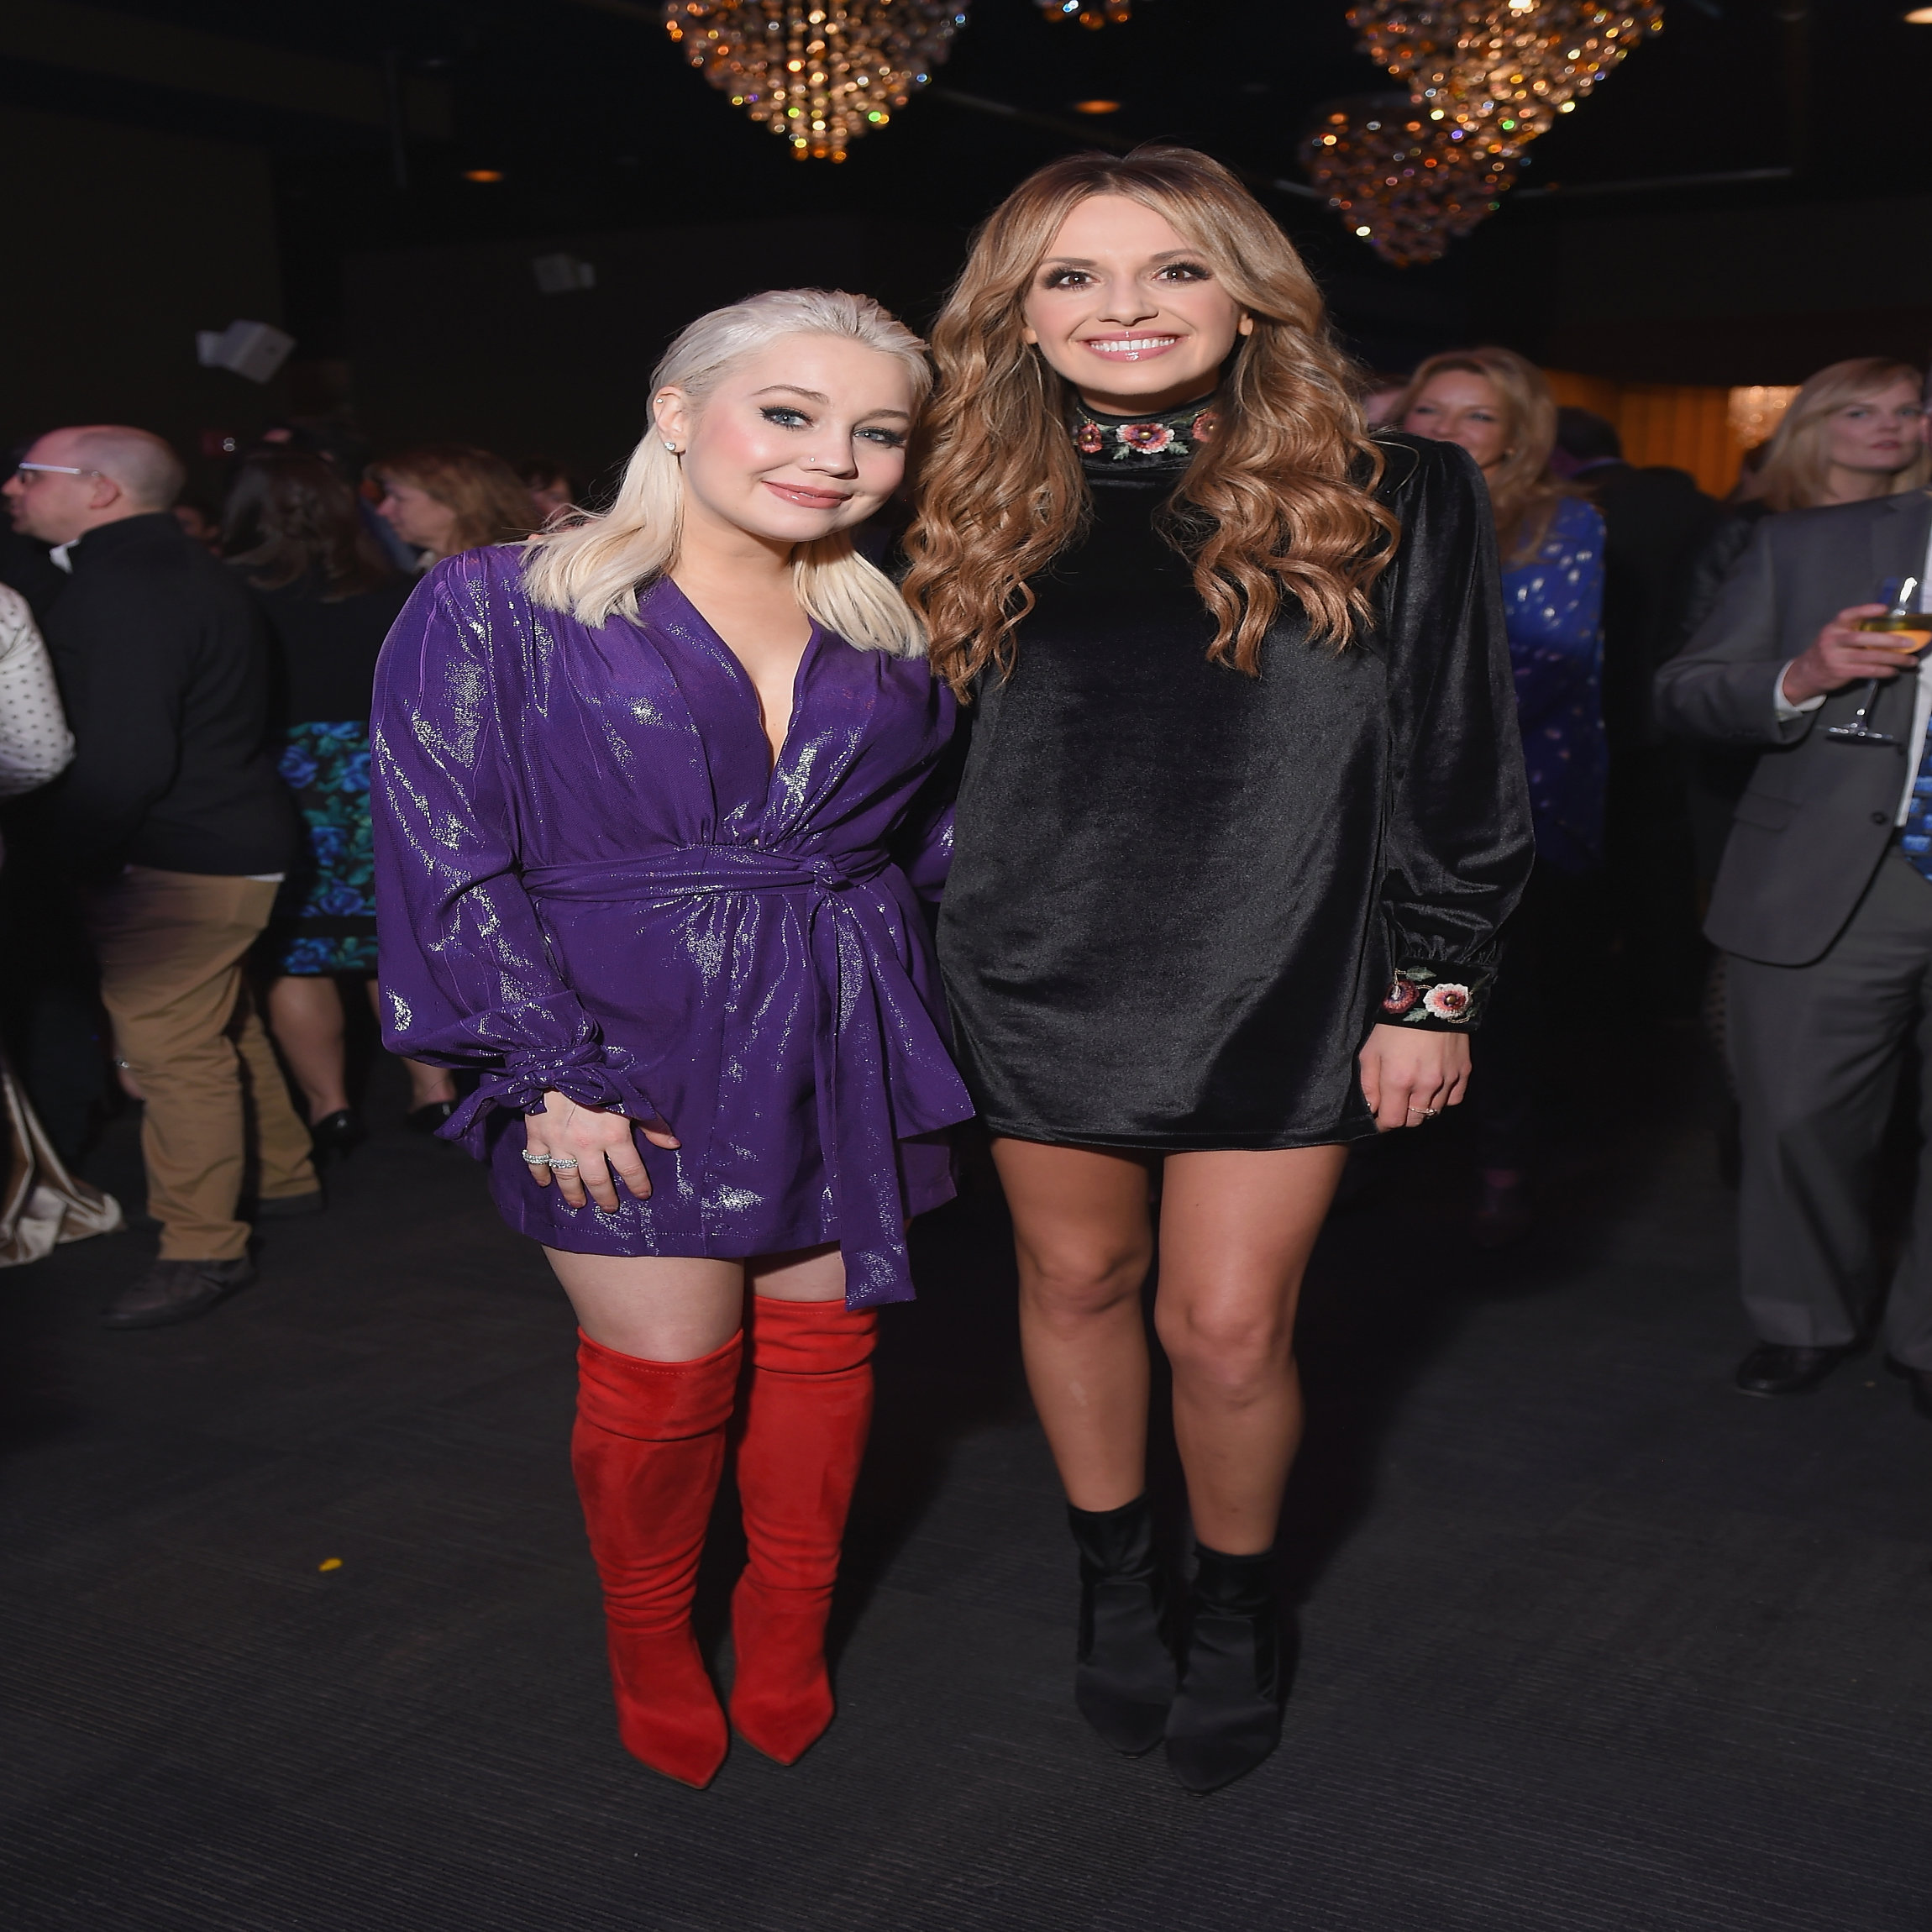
590 877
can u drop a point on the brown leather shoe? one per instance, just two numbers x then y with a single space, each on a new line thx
1920 1379
173 1291
1776 1368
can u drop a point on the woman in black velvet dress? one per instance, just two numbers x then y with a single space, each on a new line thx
1243 810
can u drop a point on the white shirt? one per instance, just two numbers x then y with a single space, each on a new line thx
1922 700
35 745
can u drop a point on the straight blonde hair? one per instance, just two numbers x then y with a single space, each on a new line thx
1525 490
593 563
1795 470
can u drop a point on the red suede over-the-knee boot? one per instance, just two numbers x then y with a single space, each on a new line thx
806 1411
648 1451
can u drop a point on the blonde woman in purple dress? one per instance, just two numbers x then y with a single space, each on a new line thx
654 802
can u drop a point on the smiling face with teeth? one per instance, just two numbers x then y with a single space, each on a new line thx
1129 311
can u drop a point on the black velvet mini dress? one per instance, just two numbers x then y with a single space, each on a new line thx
1181 896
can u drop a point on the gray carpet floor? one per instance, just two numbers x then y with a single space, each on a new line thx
1586 1640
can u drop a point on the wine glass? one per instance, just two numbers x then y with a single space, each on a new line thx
1908 630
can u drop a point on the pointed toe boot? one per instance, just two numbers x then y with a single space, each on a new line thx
1226 1716
647 1451
1124 1669
807 1411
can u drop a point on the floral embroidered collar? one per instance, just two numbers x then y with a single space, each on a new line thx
1168 439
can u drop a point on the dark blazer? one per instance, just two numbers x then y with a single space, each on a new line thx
1818 816
1656 521
163 661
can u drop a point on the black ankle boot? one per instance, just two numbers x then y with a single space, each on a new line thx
1226 1716
1124 1678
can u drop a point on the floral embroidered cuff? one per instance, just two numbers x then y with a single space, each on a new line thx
1441 999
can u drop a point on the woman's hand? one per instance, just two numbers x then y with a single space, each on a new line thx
596 1144
1411 1074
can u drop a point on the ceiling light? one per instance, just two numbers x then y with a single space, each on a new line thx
1096 106
482 173
1920 17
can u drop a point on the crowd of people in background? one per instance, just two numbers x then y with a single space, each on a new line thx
216 658
203 869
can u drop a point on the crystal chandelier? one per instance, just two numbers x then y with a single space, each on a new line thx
819 73
1502 70
1088 13
1405 185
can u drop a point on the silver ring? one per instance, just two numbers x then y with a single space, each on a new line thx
1430 1113
535 1160
1419 1109
561 1162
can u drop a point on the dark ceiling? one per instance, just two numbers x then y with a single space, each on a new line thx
594 120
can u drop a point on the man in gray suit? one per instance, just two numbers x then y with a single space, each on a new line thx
1823 904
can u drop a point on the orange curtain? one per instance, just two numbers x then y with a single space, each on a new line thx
1686 428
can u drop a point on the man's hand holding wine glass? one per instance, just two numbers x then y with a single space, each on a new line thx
1842 655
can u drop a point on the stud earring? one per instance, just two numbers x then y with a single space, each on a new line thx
672 447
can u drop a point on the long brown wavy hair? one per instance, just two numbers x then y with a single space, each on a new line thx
290 516
1525 490
1278 504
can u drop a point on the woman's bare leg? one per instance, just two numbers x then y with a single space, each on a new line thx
1236 1230
658 1309
1084 1235
428 1086
805 1274
305 1016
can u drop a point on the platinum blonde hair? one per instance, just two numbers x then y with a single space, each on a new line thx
594 565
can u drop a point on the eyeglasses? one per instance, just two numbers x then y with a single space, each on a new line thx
20 470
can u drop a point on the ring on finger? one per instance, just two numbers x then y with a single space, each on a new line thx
562 1163
535 1160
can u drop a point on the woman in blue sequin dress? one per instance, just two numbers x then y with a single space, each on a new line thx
297 539
1499 409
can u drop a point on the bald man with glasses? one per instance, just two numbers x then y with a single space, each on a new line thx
174 824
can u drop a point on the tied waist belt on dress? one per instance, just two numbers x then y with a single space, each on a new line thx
881 1067
688 871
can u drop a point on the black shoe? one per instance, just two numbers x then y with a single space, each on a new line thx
337 1134
289 1207
1920 1379
1124 1678
176 1291
426 1120
1776 1368
1226 1716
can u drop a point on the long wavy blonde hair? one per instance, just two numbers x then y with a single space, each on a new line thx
1794 473
1523 490
1278 505
593 563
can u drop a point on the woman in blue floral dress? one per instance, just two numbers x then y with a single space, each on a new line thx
296 535
1499 409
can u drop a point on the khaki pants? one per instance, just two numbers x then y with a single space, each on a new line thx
170 947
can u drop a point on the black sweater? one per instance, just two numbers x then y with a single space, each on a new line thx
163 662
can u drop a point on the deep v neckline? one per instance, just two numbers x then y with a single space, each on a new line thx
748 685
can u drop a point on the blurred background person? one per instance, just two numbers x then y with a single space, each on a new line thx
296 537
1656 523
550 485
174 825
199 521
1381 395
1499 407
1855 431
442 498
42 1204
